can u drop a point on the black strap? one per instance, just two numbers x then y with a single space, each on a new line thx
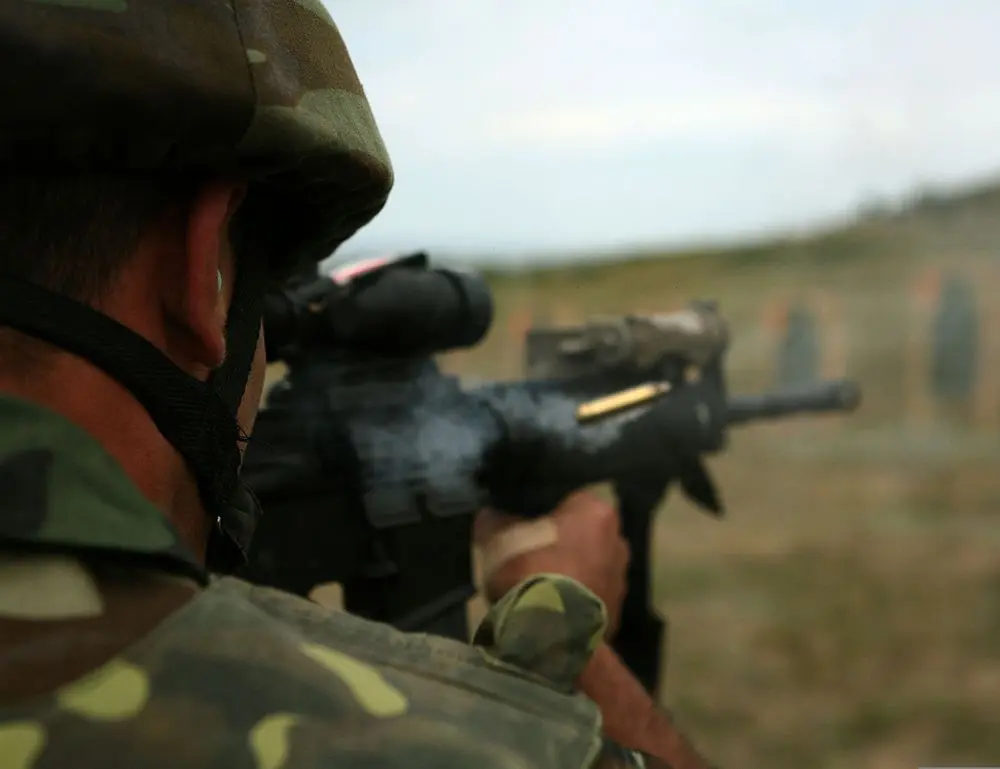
242 330
190 414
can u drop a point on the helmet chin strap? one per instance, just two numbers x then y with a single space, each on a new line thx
237 520
199 419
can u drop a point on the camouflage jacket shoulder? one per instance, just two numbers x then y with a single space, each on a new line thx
64 492
243 676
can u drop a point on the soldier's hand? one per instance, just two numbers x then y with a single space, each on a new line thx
580 539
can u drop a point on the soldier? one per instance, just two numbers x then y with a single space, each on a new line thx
954 346
163 161
799 355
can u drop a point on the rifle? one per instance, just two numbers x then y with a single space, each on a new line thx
618 351
370 462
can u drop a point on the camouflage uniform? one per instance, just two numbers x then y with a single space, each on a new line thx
116 649
120 658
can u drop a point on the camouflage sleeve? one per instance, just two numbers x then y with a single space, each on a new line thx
548 626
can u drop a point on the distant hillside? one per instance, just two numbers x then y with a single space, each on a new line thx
865 275
969 217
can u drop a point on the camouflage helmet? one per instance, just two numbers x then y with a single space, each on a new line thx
259 89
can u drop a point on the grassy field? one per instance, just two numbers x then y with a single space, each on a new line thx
847 613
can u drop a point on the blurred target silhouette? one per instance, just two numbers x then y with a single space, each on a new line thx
799 351
954 359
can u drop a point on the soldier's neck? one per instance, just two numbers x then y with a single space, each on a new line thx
107 411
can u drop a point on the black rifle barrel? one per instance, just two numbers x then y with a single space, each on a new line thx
823 397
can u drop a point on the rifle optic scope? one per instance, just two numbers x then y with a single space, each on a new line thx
400 310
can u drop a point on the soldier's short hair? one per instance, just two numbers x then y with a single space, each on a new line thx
73 233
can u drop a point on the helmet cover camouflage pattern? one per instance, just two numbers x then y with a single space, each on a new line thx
257 89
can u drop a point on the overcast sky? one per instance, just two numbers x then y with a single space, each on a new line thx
559 124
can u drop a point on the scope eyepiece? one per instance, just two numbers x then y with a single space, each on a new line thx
401 308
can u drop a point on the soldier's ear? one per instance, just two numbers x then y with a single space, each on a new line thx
206 273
